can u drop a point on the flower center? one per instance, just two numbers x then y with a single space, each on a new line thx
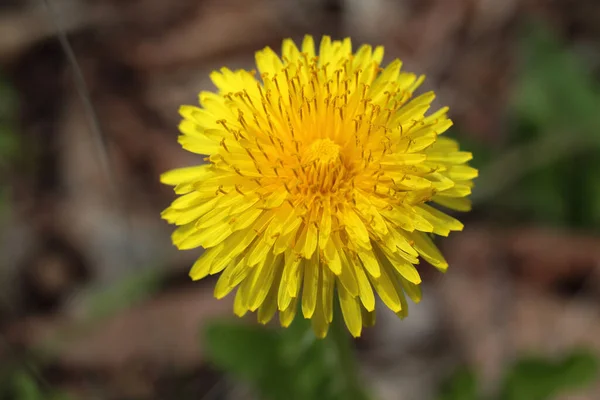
324 170
323 151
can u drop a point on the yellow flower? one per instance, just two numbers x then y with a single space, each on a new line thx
316 182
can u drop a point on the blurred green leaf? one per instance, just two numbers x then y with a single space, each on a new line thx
25 387
8 103
18 383
128 291
248 352
541 379
555 90
287 364
461 386
548 168
578 370
529 378
8 139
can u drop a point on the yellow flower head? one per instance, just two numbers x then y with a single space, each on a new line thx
317 180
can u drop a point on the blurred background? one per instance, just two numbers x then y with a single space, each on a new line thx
95 303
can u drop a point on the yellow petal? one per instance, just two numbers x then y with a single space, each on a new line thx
198 144
370 262
325 225
262 279
289 285
332 258
245 219
201 267
428 250
235 273
396 282
199 116
400 242
307 241
225 80
441 221
440 182
453 157
367 297
287 316
347 276
368 317
363 57
327 294
462 172
263 246
206 238
324 49
390 73
378 54
319 322
409 182
239 308
412 290
276 198
399 217
268 308
185 216
356 228
310 288
453 203
386 290
459 190
396 160
289 51
214 216
350 311
308 46
193 199
221 262
182 233
405 269
291 229
187 174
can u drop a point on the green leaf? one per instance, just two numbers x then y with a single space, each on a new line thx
247 351
530 379
250 353
578 370
25 387
130 290
461 386
555 89
554 137
540 379
287 364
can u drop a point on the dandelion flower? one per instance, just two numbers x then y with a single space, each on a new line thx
320 170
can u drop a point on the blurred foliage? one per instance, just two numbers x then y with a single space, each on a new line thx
557 95
461 386
548 170
20 384
131 289
287 364
8 106
8 138
531 378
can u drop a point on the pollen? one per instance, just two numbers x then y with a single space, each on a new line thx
322 179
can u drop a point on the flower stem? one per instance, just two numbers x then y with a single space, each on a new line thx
342 344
